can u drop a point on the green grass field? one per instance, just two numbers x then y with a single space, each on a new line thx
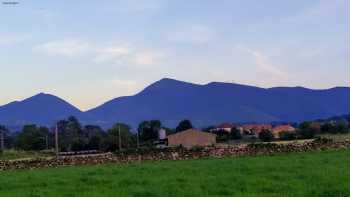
298 174
336 137
23 155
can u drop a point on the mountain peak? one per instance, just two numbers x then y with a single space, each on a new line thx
42 109
43 96
168 81
167 84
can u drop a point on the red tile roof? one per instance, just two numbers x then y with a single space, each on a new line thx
257 128
281 128
226 125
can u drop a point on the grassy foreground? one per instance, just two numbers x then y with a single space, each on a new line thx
298 174
23 155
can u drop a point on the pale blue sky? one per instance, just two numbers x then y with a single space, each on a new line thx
89 51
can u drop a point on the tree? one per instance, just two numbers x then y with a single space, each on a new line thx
126 136
46 136
168 131
285 135
92 130
306 131
32 138
342 127
184 125
95 143
208 129
71 132
78 145
328 128
235 134
266 135
222 135
96 137
3 132
148 130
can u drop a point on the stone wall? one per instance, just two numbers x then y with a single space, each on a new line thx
175 154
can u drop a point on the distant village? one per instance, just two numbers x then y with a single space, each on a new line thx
70 135
229 133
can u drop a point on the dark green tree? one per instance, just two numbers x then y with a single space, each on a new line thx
96 137
266 135
32 138
71 132
168 131
3 136
342 127
235 134
96 142
222 135
184 125
148 130
305 131
126 136
78 145
328 128
284 135
208 129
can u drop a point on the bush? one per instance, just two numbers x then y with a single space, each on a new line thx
342 128
197 148
284 135
322 140
78 145
306 133
266 136
262 145
222 136
235 134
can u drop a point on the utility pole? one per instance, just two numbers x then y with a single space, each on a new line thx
137 139
120 139
47 141
56 140
2 140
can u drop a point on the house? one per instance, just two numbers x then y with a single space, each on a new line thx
224 127
282 128
191 137
255 129
316 126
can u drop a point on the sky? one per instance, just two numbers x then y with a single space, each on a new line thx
90 51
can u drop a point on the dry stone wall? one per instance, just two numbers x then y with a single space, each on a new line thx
174 154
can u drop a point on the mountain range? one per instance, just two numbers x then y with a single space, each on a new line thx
171 100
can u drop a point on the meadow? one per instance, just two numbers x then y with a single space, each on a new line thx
24 155
297 174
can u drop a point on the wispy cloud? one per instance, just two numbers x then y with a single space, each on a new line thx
69 48
323 10
148 58
115 53
193 34
136 6
264 63
10 39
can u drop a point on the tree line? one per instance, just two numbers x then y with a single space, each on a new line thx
73 136
304 130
